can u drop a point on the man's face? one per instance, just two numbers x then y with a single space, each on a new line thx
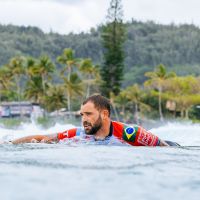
91 118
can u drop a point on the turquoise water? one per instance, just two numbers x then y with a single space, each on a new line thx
88 171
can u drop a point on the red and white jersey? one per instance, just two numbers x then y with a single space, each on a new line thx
119 133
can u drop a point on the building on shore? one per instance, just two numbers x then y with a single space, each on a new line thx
19 109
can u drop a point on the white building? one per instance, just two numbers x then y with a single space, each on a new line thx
24 108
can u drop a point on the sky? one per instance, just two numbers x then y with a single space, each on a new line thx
65 16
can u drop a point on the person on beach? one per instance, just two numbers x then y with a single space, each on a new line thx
98 126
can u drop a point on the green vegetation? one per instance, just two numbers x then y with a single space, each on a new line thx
157 80
26 78
32 79
113 35
72 82
146 69
147 45
172 95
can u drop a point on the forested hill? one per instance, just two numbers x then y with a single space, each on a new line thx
31 41
147 45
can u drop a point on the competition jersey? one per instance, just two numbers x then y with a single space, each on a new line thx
133 135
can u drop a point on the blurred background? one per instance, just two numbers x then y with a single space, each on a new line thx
143 55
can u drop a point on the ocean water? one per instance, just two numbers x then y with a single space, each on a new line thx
89 171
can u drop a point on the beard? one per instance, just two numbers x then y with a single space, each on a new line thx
94 128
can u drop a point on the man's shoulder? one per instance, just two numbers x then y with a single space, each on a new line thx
116 123
124 125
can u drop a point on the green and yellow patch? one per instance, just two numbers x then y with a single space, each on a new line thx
129 133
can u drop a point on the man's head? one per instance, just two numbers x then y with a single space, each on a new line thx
95 111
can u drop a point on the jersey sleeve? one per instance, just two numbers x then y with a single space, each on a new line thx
67 134
138 136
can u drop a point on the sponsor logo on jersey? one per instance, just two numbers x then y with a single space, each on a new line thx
146 138
65 134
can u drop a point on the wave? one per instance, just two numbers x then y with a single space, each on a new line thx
183 133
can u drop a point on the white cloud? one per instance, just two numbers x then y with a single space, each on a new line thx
64 16
47 15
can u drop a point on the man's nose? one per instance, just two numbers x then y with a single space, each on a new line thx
84 118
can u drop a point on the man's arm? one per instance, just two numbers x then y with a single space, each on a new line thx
138 136
37 138
47 138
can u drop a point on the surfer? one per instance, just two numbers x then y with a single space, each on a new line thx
98 126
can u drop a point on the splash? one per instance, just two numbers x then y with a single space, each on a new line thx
32 128
182 133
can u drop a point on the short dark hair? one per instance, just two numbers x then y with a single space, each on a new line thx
100 102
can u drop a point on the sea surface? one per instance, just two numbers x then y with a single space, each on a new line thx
100 172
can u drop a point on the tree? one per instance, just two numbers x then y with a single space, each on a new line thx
119 101
135 95
39 73
30 66
113 35
73 86
17 67
44 68
5 80
68 59
184 91
91 73
157 80
55 99
34 90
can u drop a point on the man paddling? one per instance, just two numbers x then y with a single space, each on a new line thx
98 126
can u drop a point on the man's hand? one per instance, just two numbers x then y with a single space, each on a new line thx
36 139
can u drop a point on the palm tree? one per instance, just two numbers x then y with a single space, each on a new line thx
91 73
5 80
55 98
73 87
31 68
16 66
68 59
135 95
157 80
44 68
34 90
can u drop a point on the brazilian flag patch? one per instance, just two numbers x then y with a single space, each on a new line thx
129 133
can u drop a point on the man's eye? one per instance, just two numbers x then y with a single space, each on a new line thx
86 114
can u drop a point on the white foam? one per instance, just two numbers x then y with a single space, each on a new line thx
26 129
183 133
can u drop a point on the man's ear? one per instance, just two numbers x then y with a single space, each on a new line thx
105 114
